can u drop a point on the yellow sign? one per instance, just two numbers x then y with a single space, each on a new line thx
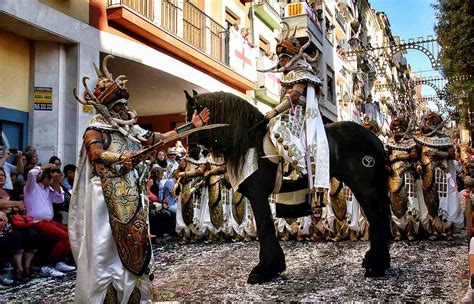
43 98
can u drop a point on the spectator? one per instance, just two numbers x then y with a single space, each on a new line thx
171 163
169 196
30 149
31 162
9 168
42 189
161 161
157 187
55 160
69 174
19 243
161 220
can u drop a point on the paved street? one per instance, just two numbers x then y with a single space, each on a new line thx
326 271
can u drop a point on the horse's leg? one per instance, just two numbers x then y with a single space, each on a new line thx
374 202
257 188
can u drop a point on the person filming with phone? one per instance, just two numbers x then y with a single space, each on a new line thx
9 168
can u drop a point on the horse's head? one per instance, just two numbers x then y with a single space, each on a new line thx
233 141
192 105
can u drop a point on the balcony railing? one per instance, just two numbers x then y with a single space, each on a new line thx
187 23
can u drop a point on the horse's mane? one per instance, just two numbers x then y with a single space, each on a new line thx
233 141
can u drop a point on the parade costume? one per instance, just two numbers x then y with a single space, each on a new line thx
108 213
214 197
406 197
296 126
189 202
439 178
108 218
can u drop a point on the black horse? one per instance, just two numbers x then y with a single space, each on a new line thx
357 158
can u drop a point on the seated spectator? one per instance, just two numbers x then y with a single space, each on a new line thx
9 168
18 244
42 189
31 162
169 196
161 220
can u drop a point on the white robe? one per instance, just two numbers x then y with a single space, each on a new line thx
92 243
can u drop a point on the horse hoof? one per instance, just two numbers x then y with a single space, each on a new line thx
374 273
255 278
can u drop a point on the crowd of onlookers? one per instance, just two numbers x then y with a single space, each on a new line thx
34 202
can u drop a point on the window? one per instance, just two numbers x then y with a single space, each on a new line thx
231 19
264 46
330 84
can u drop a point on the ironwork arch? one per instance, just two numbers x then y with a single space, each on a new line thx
412 84
376 61
435 63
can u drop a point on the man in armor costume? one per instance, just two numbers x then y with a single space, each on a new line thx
296 126
108 215
403 182
215 196
438 177
191 178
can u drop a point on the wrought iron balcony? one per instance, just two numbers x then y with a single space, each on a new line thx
184 21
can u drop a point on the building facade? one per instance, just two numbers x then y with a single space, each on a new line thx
167 46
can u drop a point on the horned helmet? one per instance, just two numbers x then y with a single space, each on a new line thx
108 91
290 46
431 122
398 126
106 94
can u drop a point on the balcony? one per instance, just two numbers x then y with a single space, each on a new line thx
188 23
183 30
301 15
268 11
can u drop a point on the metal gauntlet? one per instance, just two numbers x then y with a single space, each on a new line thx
185 127
284 105
108 157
